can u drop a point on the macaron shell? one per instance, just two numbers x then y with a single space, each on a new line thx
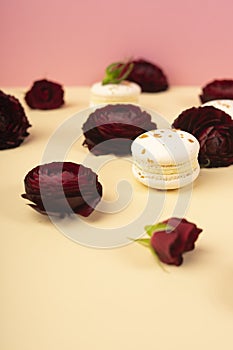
114 93
164 147
125 88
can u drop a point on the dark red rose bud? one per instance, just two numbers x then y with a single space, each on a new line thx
188 232
167 247
45 94
217 90
149 76
170 244
13 122
111 129
213 129
61 189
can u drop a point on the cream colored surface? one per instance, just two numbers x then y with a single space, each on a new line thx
57 294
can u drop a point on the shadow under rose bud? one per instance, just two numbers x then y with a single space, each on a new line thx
170 239
59 189
45 94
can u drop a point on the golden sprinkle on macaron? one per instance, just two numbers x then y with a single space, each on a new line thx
225 105
143 151
143 136
190 140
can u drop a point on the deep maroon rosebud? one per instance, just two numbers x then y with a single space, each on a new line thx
214 130
45 94
62 188
149 76
118 124
13 122
169 245
217 90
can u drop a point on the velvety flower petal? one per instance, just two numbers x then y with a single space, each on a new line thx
173 237
168 247
118 124
62 188
45 94
217 90
187 231
149 76
213 128
13 122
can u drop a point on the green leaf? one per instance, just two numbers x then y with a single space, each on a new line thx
143 241
107 80
113 73
150 229
112 68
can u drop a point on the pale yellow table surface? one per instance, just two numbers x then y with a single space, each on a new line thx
59 295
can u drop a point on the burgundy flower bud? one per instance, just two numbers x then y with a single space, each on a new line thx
62 188
13 122
45 94
169 245
217 90
117 124
214 130
149 76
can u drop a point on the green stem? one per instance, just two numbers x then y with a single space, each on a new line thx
113 73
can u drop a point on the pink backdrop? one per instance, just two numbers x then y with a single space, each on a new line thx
72 41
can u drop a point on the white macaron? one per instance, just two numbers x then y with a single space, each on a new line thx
124 92
165 158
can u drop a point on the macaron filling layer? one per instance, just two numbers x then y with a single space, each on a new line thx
165 182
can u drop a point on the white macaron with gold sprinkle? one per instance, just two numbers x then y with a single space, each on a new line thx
165 158
124 92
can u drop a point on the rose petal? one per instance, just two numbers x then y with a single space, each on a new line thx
168 247
213 128
63 188
187 231
118 124
217 90
149 76
45 94
13 122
